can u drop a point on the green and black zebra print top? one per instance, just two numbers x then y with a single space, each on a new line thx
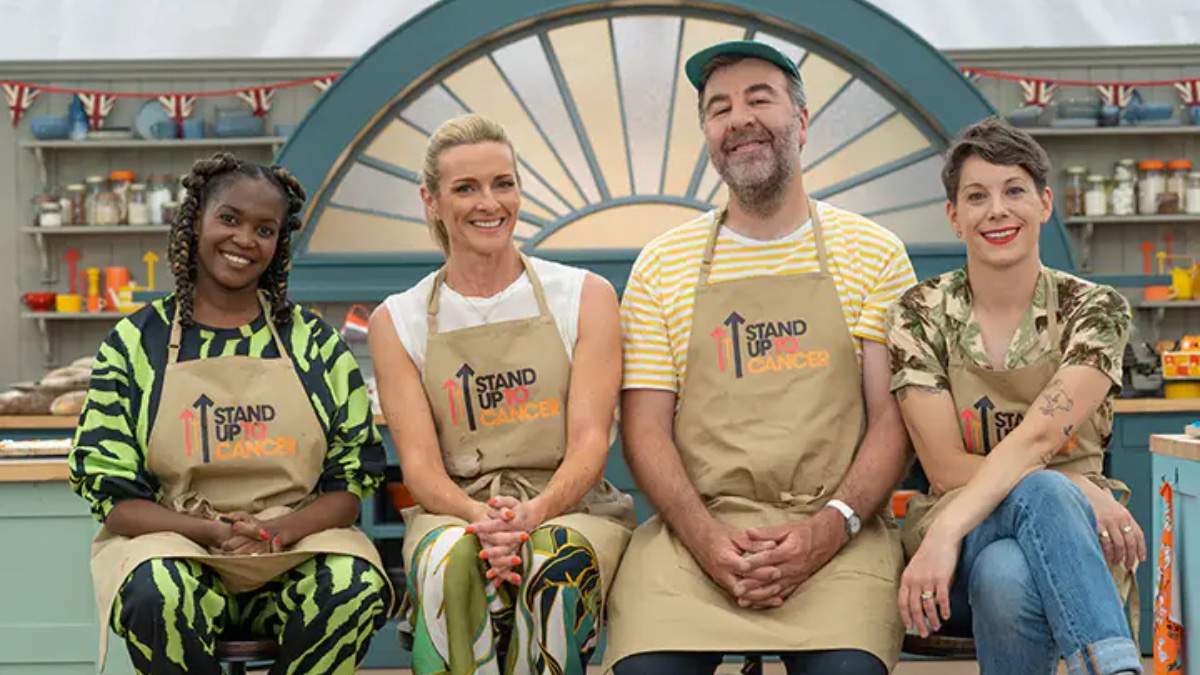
108 460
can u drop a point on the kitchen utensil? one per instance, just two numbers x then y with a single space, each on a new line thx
69 302
93 293
39 301
49 127
148 120
1147 258
72 258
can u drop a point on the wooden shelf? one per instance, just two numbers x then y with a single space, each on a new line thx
74 316
97 229
33 470
1156 405
1167 304
38 421
1166 219
141 144
1132 130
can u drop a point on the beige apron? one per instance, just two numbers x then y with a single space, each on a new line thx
232 433
769 421
990 404
499 398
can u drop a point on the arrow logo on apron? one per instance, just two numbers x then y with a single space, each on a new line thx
968 418
203 403
983 405
187 416
718 335
733 321
451 388
465 373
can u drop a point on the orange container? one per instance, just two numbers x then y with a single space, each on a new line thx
114 279
900 502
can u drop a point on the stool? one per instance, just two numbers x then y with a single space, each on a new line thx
237 653
941 646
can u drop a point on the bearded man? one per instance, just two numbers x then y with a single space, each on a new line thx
756 413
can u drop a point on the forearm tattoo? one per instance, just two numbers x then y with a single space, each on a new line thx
1055 399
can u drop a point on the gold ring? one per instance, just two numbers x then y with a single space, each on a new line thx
926 595
1127 529
1104 534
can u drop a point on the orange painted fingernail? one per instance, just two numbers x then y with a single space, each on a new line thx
509 515
516 560
483 555
524 537
491 574
470 529
264 535
278 541
492 501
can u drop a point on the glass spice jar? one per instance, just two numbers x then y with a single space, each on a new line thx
120 182
1171 200
158 193
76 196
1073 192
1095 199
1151 184
49 212
1123 198
95 185
107 208
1191 194
139 205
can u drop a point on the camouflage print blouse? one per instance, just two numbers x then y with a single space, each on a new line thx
933 316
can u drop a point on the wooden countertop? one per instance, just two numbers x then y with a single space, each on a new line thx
1176 445
1121 405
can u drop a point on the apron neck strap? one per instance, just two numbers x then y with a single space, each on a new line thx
431 309
1051 308
176 340
711 245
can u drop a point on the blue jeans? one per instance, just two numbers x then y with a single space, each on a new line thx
1039 588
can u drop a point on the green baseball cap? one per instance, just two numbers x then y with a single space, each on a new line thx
696 64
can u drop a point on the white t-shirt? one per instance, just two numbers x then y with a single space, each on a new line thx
563 286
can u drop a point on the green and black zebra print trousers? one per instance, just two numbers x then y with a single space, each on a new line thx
171 612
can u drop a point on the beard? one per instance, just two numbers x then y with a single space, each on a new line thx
758 182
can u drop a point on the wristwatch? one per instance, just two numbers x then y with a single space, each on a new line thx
853 524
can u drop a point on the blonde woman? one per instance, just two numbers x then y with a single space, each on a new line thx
500 375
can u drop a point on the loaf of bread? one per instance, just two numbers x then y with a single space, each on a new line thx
25 402
70 403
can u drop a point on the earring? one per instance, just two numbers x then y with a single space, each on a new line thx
958 234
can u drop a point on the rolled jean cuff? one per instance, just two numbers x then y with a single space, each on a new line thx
1111 655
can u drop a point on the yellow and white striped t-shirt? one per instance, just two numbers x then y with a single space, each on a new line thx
868 263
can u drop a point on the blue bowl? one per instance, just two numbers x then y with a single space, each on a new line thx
238 126
193 128
49 127
1110 115
1141 113
162 131
1192 115
1026 116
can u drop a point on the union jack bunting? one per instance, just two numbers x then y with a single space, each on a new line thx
324 83
1116 94
1038 92
970 73
97 106
20 97
1189 91
179 107
259 99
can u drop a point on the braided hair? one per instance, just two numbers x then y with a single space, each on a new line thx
207 178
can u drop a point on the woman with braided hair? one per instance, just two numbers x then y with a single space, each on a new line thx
225 445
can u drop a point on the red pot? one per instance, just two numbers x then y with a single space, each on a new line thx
41 301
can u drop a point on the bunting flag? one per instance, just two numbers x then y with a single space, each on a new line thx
97 105
20 97
179 107
1116 93
323 83
259 99
1189 91
1038 92
971 74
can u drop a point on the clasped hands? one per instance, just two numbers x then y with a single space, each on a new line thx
239 533
761 567
503 528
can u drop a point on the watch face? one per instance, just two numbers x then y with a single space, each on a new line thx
854 523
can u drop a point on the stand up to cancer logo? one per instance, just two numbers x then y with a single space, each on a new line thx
506 397
757 347
222 433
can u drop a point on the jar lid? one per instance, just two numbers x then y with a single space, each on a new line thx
137 186
1128 161
1179 164
1095 178
1152 165
50 206
75 186
1076 170
94 179
122 174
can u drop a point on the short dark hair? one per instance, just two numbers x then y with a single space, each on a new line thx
795 85
995 141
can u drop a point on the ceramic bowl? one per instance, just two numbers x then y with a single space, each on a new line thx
238 126
194 128
49 127
39 301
